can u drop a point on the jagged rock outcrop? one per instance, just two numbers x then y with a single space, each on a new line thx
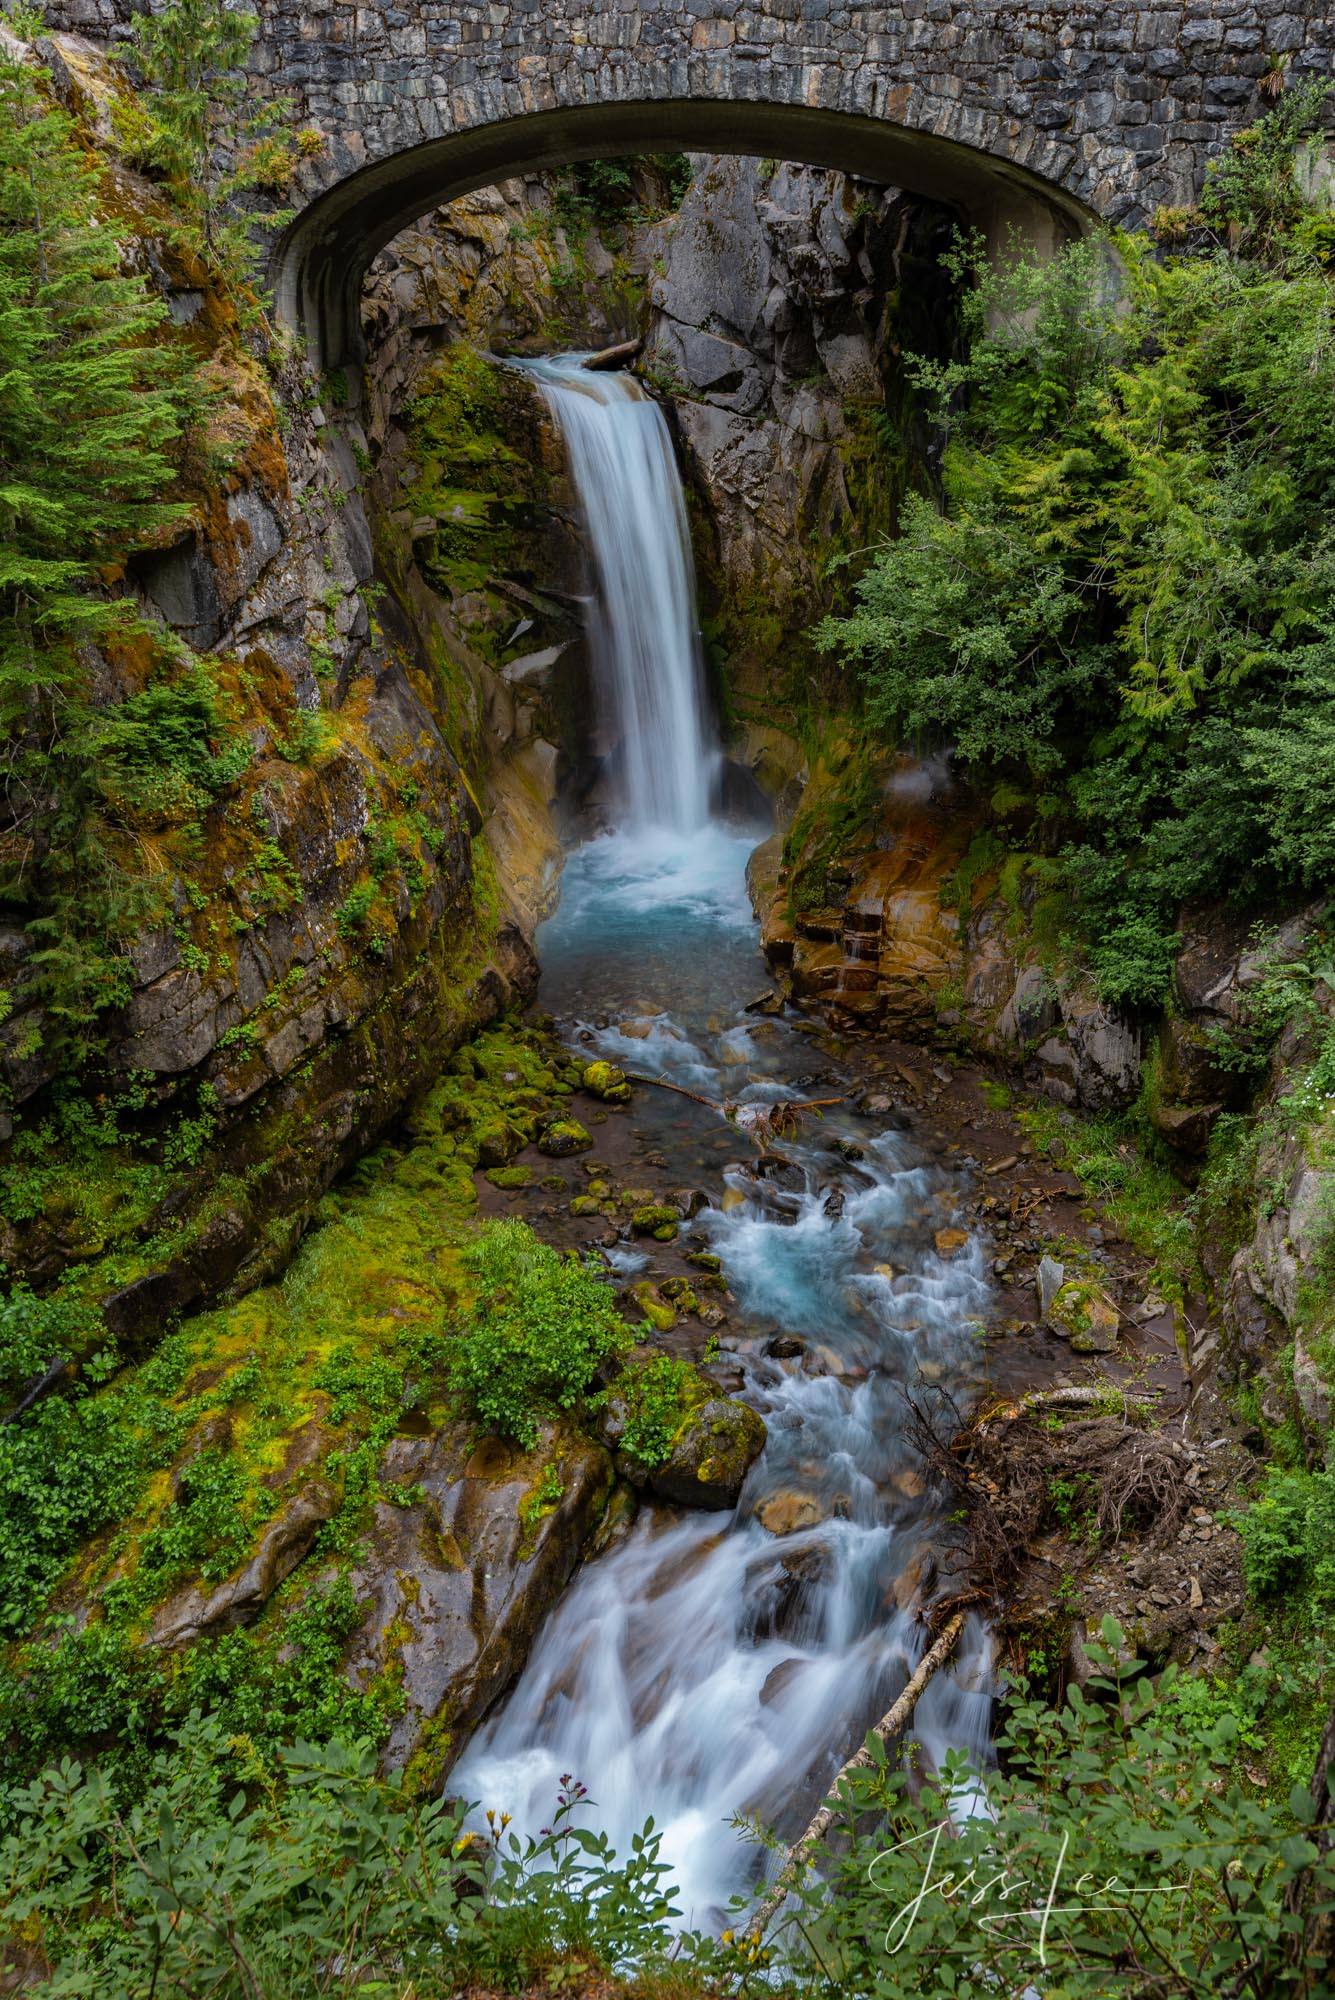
325 937
772 328
456 1583
880 917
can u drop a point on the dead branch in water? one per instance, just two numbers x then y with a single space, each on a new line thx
762 1123
891 1725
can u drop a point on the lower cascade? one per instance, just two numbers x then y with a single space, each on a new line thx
707 1668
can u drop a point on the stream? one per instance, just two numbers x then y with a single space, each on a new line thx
710 1666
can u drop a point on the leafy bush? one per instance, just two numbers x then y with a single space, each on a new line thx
1126 600
656 1395
334 1882
1116 1856
75 1463
1119 1856
153 752
1288 1536
540 1329
35 1333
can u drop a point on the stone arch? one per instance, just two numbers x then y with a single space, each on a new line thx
320 261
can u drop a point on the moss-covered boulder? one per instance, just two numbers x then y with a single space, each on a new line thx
656 1219
1081 1314
660 1314
509 1178
564 1138
498 1141
716 1446
606 1081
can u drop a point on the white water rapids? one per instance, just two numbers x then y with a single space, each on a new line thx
706 1666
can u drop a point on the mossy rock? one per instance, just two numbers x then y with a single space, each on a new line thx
659 1313
656 1220
563 1139
605 1080
705 1260
510 1177
713 1451
498 1141
1080 1313
584 1204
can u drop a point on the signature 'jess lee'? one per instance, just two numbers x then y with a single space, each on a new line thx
949 1886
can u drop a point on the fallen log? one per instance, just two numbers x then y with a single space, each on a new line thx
890 1726
1102 1396
609 358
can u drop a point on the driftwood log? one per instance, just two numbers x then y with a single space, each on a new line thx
609 358
891 1726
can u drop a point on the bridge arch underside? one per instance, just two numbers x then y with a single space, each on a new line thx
321 261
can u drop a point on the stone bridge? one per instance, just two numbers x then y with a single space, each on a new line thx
1034 117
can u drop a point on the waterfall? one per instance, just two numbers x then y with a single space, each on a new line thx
646 645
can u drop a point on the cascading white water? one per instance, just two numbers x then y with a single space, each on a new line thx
708 1667
645 639
711 1666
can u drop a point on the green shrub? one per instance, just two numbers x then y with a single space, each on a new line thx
1288 1536
656 1395
1127 595
154 752
540 1329
332 1881
1117 1856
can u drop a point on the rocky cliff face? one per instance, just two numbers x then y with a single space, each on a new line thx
775 326
359 896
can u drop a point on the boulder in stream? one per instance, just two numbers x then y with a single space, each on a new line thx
712 1452
564 1138
458 1581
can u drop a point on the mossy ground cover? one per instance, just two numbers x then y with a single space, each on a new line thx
145 1480
144 1476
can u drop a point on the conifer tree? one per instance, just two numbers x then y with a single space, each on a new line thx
90 404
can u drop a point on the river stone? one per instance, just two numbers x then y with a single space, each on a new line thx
951 1242
1051 1278
1080 1313
788 1512
563 1138
606 1081
458 1583
656 1219
712 1453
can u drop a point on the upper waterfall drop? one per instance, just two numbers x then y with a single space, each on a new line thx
645 639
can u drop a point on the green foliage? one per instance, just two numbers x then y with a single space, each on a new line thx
656 1395
333 1882
206 1529
1116 1815
74 1464
540 1329
1127 597
191 54
35 1332
1118 1855
93 403
1288 1536
153 753
1118 1161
